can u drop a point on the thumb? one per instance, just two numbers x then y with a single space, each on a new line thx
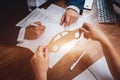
39 51
46 53
84 30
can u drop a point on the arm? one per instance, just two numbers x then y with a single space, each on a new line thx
112 57
10 35
72 13
40 63
34 32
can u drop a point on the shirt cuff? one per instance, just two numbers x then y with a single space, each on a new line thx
75 8
21 35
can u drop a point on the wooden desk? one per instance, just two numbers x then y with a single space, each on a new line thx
94 51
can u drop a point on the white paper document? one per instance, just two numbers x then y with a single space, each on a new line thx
37 15
85 75
58 12
98 71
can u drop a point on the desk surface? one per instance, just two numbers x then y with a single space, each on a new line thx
94 51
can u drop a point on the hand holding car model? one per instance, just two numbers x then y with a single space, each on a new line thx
90 31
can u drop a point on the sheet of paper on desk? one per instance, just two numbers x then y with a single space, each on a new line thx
52 15
101 70
85 75
55 9
51 21
36 15
58 14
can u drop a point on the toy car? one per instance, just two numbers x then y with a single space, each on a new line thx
62 38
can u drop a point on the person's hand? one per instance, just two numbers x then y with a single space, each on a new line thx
69 17
93 32
40 63
34 32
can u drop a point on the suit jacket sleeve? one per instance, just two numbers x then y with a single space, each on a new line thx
77 3
11 12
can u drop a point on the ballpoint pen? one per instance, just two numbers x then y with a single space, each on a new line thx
33 24
75 63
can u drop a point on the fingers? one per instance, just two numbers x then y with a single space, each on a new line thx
86 36
86 33
84 30
73 20
40 50
65 20
69 17
46 54
87 26
68 20
35 24
40 26
62 19
38 23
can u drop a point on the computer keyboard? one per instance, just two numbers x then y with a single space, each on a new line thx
105 12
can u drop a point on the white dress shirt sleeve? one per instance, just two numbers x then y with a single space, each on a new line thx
21 35
75 8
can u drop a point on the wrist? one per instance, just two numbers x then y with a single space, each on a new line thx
72 10
105 41
76 9
41 76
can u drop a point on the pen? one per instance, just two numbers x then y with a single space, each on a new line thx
33 24
75 63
